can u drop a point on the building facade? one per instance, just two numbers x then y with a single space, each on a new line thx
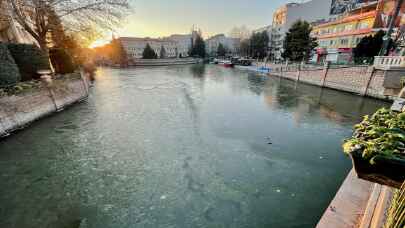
337 37
230 44
183 43
285 16
134 46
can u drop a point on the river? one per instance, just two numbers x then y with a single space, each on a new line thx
182 146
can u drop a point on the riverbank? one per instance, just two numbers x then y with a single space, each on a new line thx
360 80
19 110
165 62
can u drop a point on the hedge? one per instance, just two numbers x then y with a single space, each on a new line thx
9 74
29 59
61 61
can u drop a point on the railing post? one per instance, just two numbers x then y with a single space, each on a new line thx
370 74
300 67
325 73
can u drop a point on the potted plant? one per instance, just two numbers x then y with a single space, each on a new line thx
377 148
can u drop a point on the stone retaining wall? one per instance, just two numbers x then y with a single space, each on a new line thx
16 111
362 80
165 62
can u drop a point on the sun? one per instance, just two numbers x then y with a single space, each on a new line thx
98 43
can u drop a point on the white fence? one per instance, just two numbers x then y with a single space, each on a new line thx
386 62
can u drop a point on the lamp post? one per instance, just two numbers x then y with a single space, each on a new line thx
387 37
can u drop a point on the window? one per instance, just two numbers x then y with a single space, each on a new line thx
362 25
344 41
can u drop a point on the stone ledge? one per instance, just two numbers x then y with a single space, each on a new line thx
358 203
348 207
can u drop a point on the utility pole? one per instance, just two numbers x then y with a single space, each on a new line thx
387 37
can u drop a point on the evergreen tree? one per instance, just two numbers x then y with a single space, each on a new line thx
368 47
298 44
149 53
245 47
198 48
162 52
259 43
221 50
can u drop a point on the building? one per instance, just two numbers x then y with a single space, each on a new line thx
10 30
231 44
183 45
338 37
134 46
285 16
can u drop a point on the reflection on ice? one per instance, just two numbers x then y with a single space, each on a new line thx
181 146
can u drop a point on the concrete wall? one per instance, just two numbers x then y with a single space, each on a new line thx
362 80
165 62
17 111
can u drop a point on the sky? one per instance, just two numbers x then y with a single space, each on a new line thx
157 18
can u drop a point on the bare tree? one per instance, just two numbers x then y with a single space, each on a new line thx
37 17
242 32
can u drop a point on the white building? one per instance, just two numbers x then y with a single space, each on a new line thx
135 46
212 43
183 43
177 45
285 16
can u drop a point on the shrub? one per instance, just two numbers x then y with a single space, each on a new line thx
382 134
149 53
29 59
9 74
61 61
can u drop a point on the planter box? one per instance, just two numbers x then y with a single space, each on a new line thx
390 172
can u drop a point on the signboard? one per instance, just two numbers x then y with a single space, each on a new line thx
341 6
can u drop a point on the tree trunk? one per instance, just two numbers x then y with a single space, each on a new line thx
43 45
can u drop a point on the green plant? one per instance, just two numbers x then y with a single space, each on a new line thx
221 50
382 134
29 59
298 43
149 53
61 61
198 47
368 47
20 87
9 74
